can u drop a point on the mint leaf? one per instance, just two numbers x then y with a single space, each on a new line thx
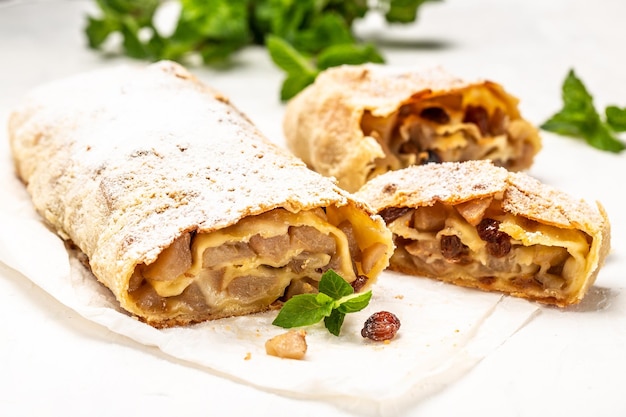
403 11
578 116
295 83
350 9
287 57
288 17
579 119
132 44
616 118
217 29
300 71
334 322
141 10
98 30
349 54
218 52
333 285
214 20
602 138
326 30
303 310
335 299
356 303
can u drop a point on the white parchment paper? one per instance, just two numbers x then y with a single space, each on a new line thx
445 329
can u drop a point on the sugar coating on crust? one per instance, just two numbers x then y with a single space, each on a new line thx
457 182
424 185
528 197
124 160
520 194
382 89
322 124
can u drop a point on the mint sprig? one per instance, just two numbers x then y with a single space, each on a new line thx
579 118
335 299
318 34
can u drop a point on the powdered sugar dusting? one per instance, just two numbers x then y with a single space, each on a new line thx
345 124
383 88
529 197
456 182
449 182
124 160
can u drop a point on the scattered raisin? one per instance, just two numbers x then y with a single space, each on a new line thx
381 326
488 229
359 282
479 116
500 248
392 213
435 114
498 243
452 248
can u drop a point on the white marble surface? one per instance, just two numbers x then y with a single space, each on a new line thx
564 362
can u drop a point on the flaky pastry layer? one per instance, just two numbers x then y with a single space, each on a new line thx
478 225
357 122
184 210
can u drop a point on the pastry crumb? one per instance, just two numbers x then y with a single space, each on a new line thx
290 345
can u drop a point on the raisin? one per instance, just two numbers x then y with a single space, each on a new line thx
488 229
404 110
435 114
479 116
392 213
452 248
500 248
498 243
359 282
381 326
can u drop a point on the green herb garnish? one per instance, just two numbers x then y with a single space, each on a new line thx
335 299
314 34
579 119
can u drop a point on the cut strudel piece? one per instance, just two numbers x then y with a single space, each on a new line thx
356 122
185 211
478 225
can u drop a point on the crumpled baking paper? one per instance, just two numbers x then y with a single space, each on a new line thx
445 330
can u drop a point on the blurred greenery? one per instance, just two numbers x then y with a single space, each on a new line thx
303 37
579 118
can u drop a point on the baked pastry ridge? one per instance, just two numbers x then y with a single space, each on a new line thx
356 122
182 208
477 225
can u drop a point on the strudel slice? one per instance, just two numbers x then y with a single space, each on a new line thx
184 210
478 225
356 122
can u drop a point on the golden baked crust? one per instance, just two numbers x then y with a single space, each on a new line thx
478 225
356 122
183 208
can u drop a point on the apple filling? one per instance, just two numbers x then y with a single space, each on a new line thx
477 244
473 124
260 259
